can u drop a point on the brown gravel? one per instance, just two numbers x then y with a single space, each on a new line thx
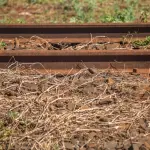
86 111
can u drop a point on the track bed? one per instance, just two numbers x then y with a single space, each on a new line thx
61 89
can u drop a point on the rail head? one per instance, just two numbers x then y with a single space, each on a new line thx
75 53
74 28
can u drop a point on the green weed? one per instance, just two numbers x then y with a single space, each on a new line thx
21 20
5 20
5 132
2 45
139 43
3 2
75 11
1 124
56 147
126 14
13 115
38 1
9 20
84 11
144 15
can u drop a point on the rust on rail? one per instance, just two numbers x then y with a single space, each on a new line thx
104 53
74 32
66 60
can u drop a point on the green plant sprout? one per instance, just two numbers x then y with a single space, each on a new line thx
139 43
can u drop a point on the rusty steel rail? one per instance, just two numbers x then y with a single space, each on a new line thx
127 60
75 33
66 60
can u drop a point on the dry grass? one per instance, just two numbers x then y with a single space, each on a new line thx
45 112
128 42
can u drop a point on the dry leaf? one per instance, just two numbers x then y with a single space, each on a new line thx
122 127
83 148
25 14
147 145
111 81
147 88
105 102
84 107
16 43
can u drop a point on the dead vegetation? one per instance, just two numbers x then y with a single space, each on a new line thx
95 43
90 110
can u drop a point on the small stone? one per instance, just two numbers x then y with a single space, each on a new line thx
92 145
135 147
134 70
91 135
68 145
110 145
105 102
142 124
74 141
71 106
112 46
92 70
143 147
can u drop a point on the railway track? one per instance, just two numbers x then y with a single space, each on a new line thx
63 60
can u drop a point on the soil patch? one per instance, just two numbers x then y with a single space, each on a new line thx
79 11
90 110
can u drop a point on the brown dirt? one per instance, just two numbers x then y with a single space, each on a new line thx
60 12
90 110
